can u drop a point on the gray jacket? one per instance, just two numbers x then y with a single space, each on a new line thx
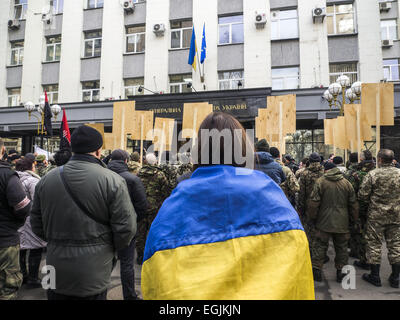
81 250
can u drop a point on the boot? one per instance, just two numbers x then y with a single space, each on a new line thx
317 275
373 277
339 276
394 277
362 265
33 281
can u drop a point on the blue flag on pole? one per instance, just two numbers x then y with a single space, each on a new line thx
193 51
203 46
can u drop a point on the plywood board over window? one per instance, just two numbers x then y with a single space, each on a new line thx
369 95
110 141
163 134
141 125
328 132
122 122
341 141
193 115
100 128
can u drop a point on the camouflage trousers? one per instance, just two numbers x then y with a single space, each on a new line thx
321 245
142 232
378 231
10 273
357 242
309 229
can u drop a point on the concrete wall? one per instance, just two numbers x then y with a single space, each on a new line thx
231 57
178 62
278 4
285 53
343 49
5 11
139 15
232 6
15 35
50 73
14 78
93 18
180 9
90 69
56 26
134 66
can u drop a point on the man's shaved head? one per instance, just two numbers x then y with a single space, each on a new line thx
386 156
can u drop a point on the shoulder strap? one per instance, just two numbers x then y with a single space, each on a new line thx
77 202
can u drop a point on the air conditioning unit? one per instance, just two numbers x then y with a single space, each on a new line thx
319 14
385 6
14 24
159 29
47 18
128 5
387 43
261 20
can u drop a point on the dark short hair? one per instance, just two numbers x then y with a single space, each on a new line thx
274 152
367 155
24 164
135 156
337 160
353 157
386 155
62 157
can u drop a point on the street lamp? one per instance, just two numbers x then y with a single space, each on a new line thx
30 107
341 85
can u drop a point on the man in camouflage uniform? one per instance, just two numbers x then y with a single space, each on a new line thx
355 175
380 188
134 163
41 165
157 190
291 186
332 201
307 180
171 173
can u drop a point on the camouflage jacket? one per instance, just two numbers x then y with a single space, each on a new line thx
291 186
352 176
133 167
156 185
184 168
306 181
41 170
380 190
49 168
171 173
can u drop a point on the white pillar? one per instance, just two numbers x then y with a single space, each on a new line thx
369 41
156 58
33 52
71 52
257 45
206 11
5 15
111 72
314 52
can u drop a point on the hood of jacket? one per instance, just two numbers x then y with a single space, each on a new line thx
367 165
25 175
118 166
315 167
264 157
334 174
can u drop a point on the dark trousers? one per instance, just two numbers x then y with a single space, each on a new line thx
126 257
51 295
35 257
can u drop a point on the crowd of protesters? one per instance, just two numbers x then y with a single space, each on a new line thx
83 211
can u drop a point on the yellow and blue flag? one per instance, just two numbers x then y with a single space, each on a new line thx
227 236
193 51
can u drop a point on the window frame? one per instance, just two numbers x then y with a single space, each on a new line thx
134 87
389 67
180 30
93 40
334 14
347 73
136 34
24 9
285 78
50 94
54 45
230 80
56 9
96 6
278 20
12 97
179 84
91 91
230 24
20 56
387 29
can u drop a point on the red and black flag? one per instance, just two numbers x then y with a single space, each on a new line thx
65 135
47 116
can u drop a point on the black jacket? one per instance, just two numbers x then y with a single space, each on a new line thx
268 165
136 189
14 206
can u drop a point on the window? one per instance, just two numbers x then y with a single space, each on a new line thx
391 69
17 53
177 83
14 97
135 39
52 93
284 24
95 4
340 19
57 5
20 8
91 91
132 87
231 29
53 48
285 78
181 34
230 80
93 44
389 29
348 69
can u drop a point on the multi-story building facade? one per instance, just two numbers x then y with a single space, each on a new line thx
94 50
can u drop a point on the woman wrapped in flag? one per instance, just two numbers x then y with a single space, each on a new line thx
227 233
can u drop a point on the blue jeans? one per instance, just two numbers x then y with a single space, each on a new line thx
126 257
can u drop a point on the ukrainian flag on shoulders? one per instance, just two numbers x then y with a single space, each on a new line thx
227 234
